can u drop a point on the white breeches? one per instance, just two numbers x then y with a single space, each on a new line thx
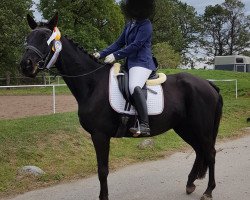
138 77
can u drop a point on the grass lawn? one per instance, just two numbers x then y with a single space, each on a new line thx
58 145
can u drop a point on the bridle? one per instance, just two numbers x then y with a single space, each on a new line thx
55 46
36 50
43 57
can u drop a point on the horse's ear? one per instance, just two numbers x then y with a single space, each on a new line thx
53 22
32 23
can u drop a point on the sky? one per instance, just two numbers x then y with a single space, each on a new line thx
199 5
37 15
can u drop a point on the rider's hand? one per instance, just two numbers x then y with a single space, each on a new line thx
96 55
110 58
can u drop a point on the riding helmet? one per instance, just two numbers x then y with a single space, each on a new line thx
138 9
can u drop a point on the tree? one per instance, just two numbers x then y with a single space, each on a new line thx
246 53
166 56
226 29
176 23
214 33
93 23
13 29
239 24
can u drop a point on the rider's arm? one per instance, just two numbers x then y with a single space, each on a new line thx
144 33
115 46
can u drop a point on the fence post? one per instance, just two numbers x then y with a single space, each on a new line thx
236 88
44 78
7 74
54 100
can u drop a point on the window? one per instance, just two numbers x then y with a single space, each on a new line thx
239 60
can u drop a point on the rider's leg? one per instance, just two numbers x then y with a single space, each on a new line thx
137 78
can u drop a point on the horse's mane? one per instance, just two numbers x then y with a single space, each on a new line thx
78 46
75 44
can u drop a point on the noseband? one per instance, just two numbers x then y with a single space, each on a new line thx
43 57
36 50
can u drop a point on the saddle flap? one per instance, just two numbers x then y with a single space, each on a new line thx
123 84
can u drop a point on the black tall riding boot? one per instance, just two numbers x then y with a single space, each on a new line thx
142 110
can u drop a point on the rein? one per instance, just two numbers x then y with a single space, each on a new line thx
76 76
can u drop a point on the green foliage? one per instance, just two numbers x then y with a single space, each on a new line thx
176 23
13 29
92 23
246 53
226 28
166 56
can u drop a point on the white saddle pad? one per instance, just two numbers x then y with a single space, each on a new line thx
155 102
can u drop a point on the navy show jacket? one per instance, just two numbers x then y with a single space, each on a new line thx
136 40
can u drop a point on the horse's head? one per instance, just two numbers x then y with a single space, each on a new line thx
37 47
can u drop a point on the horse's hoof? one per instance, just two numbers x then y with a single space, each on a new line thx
206 197
190 189
106 198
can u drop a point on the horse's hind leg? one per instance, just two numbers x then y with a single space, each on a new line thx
205 158
190 188
185 133
102 143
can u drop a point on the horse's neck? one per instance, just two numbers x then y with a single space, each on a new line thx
74 62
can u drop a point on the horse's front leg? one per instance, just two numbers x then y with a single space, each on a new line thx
101 143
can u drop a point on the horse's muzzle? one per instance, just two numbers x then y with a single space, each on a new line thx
28 68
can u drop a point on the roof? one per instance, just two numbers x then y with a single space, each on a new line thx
222 60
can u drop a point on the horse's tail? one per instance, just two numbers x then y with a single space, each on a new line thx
218 116
218 112
203 164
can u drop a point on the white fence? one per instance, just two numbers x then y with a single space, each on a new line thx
63 85
32 86
47 79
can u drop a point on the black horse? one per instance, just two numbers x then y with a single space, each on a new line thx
193 106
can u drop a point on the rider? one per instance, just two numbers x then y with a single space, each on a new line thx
136 40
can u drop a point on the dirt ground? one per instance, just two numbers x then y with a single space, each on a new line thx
12 107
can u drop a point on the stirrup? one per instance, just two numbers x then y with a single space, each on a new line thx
140 130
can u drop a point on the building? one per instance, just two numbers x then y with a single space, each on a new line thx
237 63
